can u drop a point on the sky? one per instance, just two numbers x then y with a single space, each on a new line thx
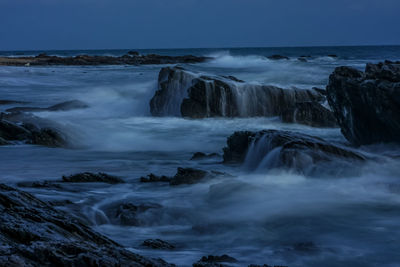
130 24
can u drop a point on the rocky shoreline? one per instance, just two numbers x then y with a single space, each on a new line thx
365 105
131 58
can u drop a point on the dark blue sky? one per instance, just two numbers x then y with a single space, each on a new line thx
97 24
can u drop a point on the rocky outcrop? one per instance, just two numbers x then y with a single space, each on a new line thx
64 106
157 244
32 233
311 114
188 94
215 261
85 60
88 177
271 149
11 133
367 104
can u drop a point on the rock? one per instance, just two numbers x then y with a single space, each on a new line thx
201 155
214 261
133 53
32 233
311 114
302 59
152 178
302 153
40 184
136 215
320 90
64 106
157 244
88 177
188 176
278 57
31 134
188 94
86 60
367 105
4 142
333 56
10 102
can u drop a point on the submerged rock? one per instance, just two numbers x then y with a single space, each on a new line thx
32 233
157 244
311 114
152 178
215 261
64 106
278 57
201 155
270 149
367 104
88 177
188 94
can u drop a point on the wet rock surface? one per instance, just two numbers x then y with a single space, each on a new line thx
367 104
132 58
157 244
64 106
215 261
35 234
289 150
88 177
311 114
184 93
14 132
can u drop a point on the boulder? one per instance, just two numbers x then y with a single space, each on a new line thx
157 244
88 177
188 94
311 114
152 178
33 233
367 104
269 149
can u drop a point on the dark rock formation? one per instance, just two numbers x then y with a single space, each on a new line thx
311 114
88 177
201 155
278 57
32 233
131 59
134 215
302 59
64 106
367 105
296 151
157 244
12 132
188 94
214 261
10 102
152 178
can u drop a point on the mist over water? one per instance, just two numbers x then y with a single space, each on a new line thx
261 215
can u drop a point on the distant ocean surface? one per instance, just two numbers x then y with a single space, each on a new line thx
257 218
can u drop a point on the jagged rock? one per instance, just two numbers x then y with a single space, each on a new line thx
88 177
367 105
311 114
82 60
291 150
31 134
201 155
278 57
64 106
157 244
214 261
152 178
188 94
32 233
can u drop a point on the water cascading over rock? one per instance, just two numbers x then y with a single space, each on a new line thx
188 94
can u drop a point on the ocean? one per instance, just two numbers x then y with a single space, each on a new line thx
350 219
